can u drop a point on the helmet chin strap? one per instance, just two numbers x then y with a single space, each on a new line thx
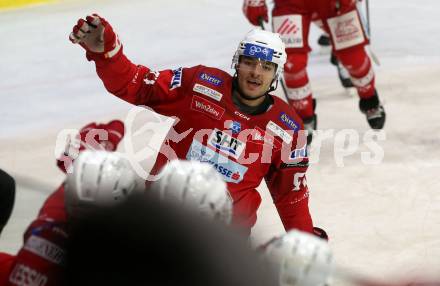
272 86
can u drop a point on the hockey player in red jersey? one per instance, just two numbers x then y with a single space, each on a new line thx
99 179
231 122
340 18
39 261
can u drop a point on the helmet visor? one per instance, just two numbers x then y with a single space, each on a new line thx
251 63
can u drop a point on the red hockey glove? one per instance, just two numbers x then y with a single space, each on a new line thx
254 10
92 136
96 36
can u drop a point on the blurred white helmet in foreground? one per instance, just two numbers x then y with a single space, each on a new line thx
99 178
300 259
195 185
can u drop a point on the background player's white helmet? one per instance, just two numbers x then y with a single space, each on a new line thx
99 178
264 45
195 185
300 259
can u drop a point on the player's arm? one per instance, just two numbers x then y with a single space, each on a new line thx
133 83
41 259
287 184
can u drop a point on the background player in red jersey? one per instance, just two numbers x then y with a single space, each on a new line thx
49 228
340 18
230 122
98 178
325 41
101 178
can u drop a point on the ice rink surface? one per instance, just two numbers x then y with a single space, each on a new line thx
383 218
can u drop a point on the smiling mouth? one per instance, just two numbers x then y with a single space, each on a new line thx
253 82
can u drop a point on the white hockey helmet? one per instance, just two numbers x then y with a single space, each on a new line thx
300 258
99 178
195 185
264 45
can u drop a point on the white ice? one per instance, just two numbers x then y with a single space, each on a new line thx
383 219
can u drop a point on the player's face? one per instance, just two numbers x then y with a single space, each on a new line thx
255 76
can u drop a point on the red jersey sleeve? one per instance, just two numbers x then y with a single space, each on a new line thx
287 184
41 259
139 85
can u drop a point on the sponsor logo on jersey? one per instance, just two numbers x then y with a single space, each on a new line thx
223 141
289 122
300 153
287 26
290 29
280 132
231 171
257 51
25 276
176 81
346 30
45 249
260 137
235 127
241 115
151 77
207 91
207 107
210 79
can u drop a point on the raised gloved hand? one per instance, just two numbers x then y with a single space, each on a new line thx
254 10
96 36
